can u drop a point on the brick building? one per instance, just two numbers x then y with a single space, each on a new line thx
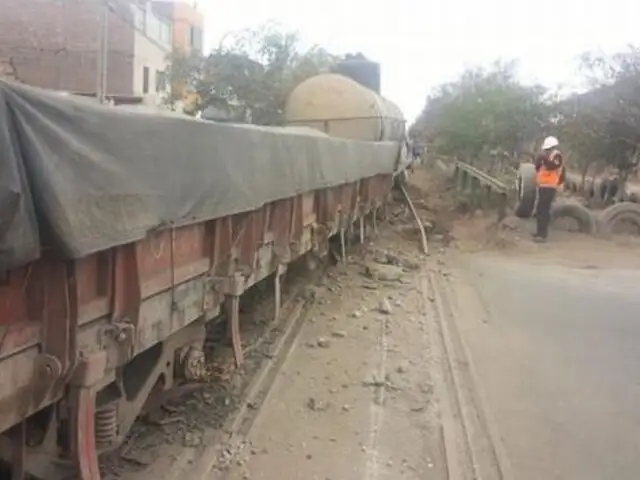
188 37
54 44
187 23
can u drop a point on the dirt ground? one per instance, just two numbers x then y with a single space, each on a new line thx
355 398
370 386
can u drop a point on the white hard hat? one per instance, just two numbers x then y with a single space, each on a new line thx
550 142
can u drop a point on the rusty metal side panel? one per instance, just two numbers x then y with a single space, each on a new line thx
21 328
12 306
222 259
159 285
164 314
37 340
246 234
18 394
373 191
94 288
171 257
280 228
21 309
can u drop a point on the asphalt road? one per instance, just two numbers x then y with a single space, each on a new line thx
557 357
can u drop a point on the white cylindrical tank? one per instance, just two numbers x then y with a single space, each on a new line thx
341 107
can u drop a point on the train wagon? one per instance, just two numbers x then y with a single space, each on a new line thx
122 234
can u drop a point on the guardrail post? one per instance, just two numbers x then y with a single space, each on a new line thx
456 176
485 190
465 180
487 197
503 201
474 185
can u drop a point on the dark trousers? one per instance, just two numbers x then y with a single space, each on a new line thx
546 196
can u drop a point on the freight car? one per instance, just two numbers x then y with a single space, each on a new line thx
122 234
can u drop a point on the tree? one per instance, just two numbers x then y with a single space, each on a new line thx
483 112
183 74
581 132
602 126
251 72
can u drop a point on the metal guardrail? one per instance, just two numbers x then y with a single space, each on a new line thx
488 191
469 173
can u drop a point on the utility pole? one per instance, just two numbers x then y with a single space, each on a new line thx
103 52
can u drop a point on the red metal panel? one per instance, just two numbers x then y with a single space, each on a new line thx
170 257
18 336
245 240
46 302
180 247
22 308
93 279
280 226
12 293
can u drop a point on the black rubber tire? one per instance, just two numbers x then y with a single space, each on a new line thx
623 211
589 189
603 190
586 220
525 190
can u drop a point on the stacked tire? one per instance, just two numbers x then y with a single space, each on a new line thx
582 215
526 193
615 215
525 190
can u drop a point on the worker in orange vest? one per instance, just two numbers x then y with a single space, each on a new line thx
550 174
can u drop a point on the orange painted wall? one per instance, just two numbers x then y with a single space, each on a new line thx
184 17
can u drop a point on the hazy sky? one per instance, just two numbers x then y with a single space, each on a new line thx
421 43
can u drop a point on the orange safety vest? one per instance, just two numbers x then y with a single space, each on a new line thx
549 178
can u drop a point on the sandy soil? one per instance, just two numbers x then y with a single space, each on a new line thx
355 398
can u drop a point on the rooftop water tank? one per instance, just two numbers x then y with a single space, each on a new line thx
361 70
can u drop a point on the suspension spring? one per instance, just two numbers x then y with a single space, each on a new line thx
106 425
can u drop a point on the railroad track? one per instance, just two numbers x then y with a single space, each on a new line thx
467 438
217 445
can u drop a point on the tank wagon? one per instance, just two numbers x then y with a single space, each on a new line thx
341 107
122 234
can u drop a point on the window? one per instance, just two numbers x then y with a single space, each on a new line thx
161 81
166 32
145 80
195 38
138 18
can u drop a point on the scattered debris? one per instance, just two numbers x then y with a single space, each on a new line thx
384 273
384 307
316 405
192 439
403 367
375 382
